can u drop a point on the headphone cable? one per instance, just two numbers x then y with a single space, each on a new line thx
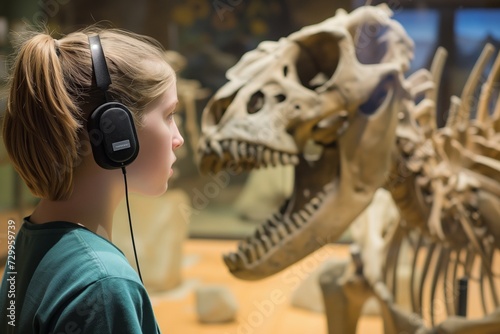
130 224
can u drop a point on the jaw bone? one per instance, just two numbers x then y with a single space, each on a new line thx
327 84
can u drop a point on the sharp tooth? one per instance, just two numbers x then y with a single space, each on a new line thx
274 236
267 156
240 259
282 230
285 158
316 202
260 152
321 195
310 208
229 262
259 247
202 146
266 242
251 152
305 216
243 149
251 253
225 144
297 219
216 147
233 147
294 159
289 224
276 158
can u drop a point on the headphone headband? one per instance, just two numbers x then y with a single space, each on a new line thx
101 72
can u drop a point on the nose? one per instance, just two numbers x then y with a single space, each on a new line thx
178 140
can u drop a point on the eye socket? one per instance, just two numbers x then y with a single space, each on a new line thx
280 98
255 103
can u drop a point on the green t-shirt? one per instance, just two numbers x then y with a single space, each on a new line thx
67 279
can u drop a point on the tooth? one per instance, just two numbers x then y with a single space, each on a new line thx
282 230
267 156
310 208
202 146
240 259
289 224
276 158
233 147
321 195
266 242
294 159
316 202
242 246
274 236
285 158
243 149
251 254
229 262
305 216
261 231
298 221
216 147
225 144
260 151
251 152
259 248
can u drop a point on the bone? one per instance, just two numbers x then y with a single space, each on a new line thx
473 81
267 156
243 150
298 220
275 236
276 158
267 243
285 159
217 148
294 159
305 216
310 208
234 150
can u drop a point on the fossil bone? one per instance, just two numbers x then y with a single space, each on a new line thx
340 84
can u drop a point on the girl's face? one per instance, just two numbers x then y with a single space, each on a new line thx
158 138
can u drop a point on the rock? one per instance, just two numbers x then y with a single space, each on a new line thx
215 304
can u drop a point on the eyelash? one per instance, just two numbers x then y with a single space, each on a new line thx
170 117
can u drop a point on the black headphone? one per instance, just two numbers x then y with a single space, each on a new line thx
110 126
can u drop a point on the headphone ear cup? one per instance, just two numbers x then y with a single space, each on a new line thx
113 136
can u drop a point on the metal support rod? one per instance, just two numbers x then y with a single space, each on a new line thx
462 296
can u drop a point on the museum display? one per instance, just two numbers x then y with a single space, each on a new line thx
332 100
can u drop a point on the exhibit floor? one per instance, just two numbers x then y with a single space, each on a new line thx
263 306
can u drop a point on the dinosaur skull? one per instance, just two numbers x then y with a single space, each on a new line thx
317 99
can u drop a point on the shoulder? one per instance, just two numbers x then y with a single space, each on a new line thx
109 305
85 255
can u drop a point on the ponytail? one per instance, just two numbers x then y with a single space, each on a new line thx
52 94
41 122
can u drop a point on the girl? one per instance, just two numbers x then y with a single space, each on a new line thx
68 276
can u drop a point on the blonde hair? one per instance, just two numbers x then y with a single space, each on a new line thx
52 95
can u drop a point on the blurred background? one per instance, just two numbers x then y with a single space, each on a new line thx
208 37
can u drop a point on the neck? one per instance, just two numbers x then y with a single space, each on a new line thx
95 196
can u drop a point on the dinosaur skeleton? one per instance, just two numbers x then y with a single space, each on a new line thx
331 99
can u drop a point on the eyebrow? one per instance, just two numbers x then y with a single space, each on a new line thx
172 106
